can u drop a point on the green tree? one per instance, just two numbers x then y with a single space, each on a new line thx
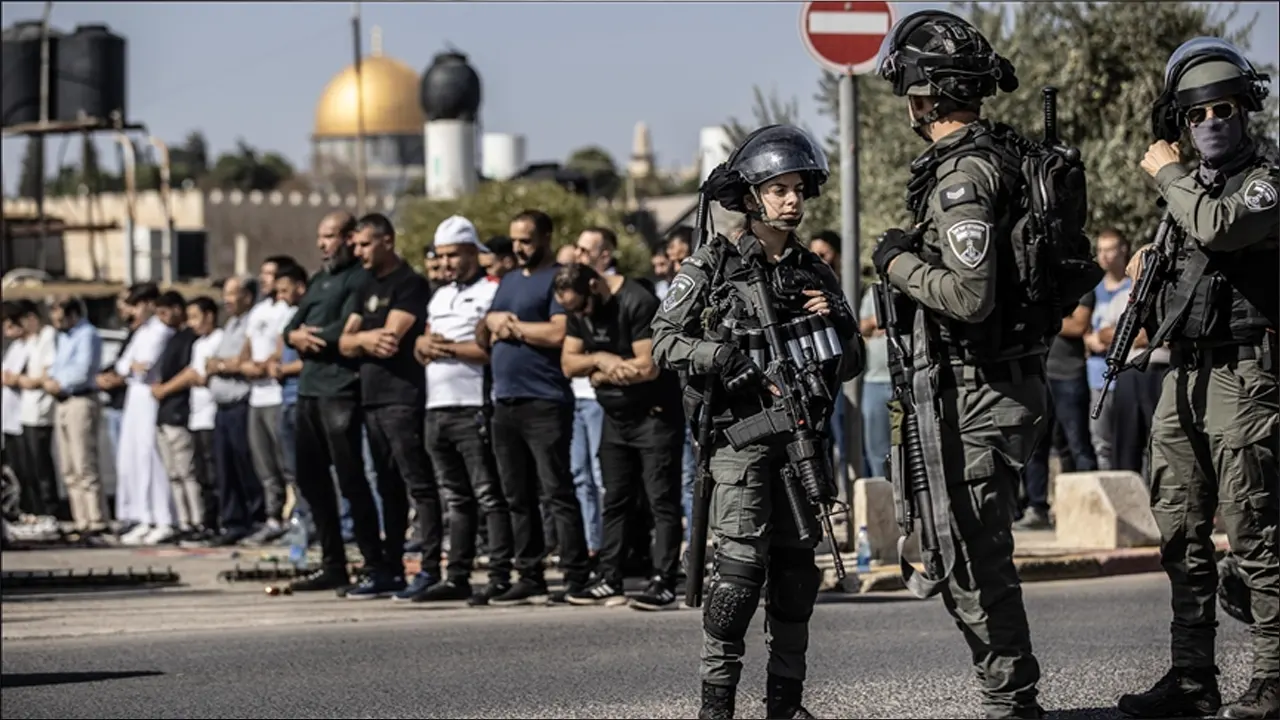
246 169
30 180
1107 59
596 163
493 205
765 110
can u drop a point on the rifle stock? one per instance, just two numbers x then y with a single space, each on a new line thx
1155 266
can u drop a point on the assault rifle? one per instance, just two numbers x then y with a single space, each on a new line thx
802 404
906 466
1155 268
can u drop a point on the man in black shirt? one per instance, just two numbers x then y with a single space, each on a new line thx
171 388
392 315
609 340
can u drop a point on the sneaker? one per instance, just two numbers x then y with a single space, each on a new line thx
377 585
526 591
658 596
560 597
271 530
197 538
1034 519
446 590
327 578
418 585
135 534
228 537
159 535
488 592
601 592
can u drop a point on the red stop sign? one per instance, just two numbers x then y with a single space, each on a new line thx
845 35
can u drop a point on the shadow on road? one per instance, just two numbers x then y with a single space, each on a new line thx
1093 713
12 680
858 599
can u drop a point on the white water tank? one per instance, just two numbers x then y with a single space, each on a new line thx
451 159
713 149
502 155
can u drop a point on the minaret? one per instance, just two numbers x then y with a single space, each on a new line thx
375 42
641 152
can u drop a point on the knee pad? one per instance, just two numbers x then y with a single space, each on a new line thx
732 597
793 585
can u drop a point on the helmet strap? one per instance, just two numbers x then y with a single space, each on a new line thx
776 223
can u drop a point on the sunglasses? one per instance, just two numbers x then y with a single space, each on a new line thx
1221 110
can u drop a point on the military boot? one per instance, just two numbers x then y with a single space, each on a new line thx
1182 692
1261 700
783 701
717 702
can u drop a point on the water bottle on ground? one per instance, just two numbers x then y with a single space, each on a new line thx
299 540
864 550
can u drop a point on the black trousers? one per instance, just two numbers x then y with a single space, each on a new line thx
206 475
641 456
400 460
1135 403
465 469
531 445
239 490
329 435
40 482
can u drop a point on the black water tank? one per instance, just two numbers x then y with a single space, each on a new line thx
20 91
91 74
450 89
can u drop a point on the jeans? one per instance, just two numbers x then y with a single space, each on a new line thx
875 425
639 455
113 417
239 491
207 476
1069 408
836 429
400 459
465 468
328 434
531 446
584 463
39 481
1137 393
289 443
371 475
1100 429
268 453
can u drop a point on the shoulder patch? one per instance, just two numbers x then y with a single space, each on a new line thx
695 261
1260 195
680 291
957 194
969 240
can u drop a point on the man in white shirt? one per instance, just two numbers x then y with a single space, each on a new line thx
15 358
202 317
142 485
266 322
457 411
36 410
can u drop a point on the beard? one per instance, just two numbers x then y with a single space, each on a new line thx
340 257
533 258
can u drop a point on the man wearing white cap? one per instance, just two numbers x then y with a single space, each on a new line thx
458 408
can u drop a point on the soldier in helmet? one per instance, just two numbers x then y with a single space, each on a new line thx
1214 435
989 362
701 330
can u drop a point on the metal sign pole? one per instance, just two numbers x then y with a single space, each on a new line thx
850 267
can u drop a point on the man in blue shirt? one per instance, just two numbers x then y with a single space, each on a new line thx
71 382
533 413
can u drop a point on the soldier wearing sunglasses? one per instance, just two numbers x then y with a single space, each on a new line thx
1215 430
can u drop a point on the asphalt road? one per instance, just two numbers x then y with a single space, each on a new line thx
871 656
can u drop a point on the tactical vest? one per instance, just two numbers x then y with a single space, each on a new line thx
1003 333
1235 300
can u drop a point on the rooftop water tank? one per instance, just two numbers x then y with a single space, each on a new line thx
20 59
91 74
450 89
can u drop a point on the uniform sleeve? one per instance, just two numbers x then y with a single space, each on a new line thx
1232 222
962 213
677 332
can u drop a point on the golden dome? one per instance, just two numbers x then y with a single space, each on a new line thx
390 101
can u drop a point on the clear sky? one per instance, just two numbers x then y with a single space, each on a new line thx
563 74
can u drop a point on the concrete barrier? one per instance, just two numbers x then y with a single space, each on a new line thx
873 507
1103 510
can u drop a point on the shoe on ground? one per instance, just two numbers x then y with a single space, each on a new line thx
659 595
326 578
525 591
269 531
1261 700
446 590
377 585
717 702
783 699
1182 692
601 592
482 596
159 535
197 538
1034 519
561 597
135 534
418 584
228 537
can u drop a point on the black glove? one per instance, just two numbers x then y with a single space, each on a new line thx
737 371
892 243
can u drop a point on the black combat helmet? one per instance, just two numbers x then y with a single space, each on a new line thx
1201 70
938 54
767 153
